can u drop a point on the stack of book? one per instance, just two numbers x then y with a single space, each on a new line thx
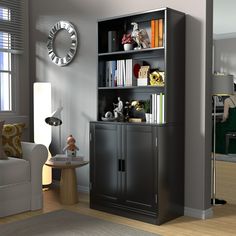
157 33
120 73
157 108
64 158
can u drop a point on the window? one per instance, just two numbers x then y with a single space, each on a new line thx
11 45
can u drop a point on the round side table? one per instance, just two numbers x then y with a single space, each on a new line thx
68 183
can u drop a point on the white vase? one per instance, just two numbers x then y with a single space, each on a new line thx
148 117
128 46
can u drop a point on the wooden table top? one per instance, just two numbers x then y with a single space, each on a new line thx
66 164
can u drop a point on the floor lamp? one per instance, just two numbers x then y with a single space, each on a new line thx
222 85
55 120
42 132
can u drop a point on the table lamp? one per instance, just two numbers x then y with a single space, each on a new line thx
222 85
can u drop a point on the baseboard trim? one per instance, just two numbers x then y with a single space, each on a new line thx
80 188
196 213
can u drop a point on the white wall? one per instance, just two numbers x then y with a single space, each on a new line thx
75 85
225 56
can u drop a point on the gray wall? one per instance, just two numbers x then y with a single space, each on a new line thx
75 85
225 56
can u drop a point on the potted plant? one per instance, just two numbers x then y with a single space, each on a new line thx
147 110
127 41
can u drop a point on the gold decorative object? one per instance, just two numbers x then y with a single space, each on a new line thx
157 78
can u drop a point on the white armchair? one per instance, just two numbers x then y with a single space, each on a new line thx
21 180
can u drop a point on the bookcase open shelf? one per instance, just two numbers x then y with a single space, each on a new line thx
130 52
137 169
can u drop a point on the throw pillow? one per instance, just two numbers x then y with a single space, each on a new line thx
11 139
2 153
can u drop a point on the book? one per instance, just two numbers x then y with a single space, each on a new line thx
157 108
152 33
119 73
135 120
113 73
156 26
123 72
64 158
160 33
161 109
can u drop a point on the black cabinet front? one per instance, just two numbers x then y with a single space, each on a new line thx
139 179
123 167
104 164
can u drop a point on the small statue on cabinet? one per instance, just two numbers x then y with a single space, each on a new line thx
118 110
70 148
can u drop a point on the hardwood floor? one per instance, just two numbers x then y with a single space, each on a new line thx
223 222
226 181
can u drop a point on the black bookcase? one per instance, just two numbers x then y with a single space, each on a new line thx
137 169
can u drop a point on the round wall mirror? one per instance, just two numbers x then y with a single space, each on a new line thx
62 43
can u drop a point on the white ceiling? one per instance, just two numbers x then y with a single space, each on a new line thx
224 18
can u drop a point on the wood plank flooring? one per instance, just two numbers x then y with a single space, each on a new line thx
226 181
223 222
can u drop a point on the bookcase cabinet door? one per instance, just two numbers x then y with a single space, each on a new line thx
140 177
104 150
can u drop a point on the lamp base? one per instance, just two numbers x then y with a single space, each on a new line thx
218 202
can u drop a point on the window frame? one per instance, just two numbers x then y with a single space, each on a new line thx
14 85
12 23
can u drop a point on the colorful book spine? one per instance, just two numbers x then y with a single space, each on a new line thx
152 33
163 108
157 108
161 104
160 33
156 33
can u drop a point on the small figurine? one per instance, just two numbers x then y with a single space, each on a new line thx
118 110
140 37
70 148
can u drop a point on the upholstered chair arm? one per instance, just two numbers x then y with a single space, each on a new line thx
37 155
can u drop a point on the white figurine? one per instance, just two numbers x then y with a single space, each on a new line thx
118 111
70 148
140 37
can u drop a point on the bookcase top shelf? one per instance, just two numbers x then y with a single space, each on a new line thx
148 12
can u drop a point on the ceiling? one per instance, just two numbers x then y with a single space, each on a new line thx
224 18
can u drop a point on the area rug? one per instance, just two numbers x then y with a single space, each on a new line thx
68 223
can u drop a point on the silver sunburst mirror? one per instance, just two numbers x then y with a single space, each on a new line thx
72 48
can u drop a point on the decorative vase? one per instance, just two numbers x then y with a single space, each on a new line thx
148 117
128 46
